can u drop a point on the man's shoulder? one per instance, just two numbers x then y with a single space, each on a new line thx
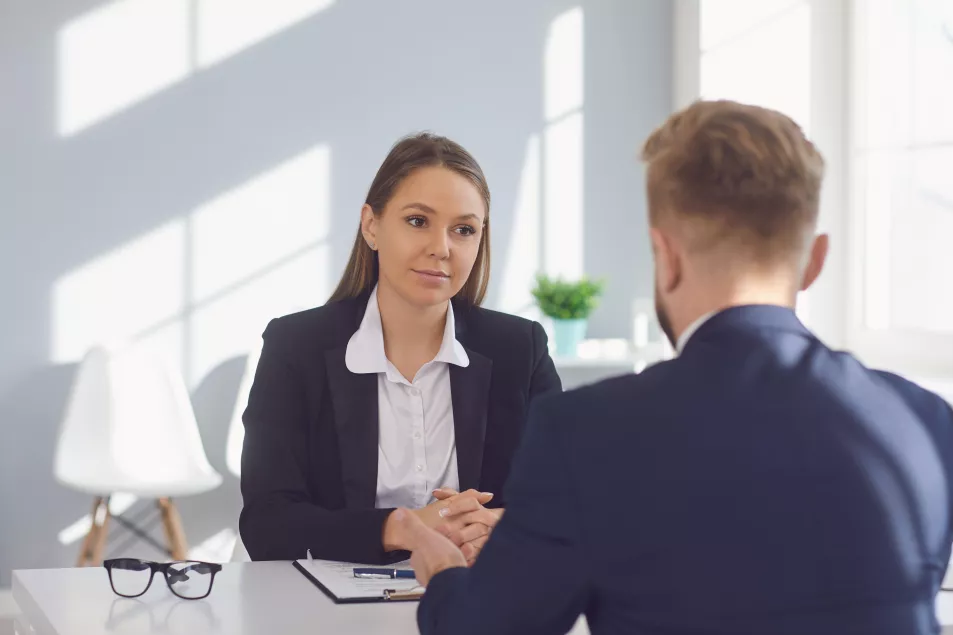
928 404
620 396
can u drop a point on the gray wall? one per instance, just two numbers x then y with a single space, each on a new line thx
355 77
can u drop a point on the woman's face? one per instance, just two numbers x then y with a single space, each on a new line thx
428 235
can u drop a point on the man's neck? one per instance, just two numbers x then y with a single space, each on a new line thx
701 304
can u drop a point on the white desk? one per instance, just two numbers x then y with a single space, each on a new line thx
248 599
252 598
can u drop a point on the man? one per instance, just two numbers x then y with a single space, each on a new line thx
759 482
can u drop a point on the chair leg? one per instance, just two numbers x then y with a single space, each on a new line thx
91 553
172 527
99 547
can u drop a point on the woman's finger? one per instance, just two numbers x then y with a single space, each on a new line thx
487 517
460 505
482 497
444 493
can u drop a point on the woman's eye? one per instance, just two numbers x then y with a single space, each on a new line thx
417 221
466 230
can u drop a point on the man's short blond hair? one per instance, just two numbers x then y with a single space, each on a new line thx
746 178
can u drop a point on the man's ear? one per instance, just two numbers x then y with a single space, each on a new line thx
369 226
816 261
668 263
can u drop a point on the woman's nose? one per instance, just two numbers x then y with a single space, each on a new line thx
439 244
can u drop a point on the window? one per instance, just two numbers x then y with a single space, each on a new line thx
901 156
789 55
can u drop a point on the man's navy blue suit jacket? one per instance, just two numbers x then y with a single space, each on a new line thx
759 483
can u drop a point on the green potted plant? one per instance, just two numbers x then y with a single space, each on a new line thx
569 304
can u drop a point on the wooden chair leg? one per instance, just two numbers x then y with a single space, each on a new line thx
91 553
99 547
85 551
172 527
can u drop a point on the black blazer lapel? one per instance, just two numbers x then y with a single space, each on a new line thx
354 398
470 389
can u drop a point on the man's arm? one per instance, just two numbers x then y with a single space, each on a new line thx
532 576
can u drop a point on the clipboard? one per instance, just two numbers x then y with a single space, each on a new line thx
376 591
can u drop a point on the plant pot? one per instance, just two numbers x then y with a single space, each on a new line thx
568 335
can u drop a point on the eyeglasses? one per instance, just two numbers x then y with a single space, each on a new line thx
189 580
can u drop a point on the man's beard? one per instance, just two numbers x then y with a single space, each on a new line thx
663 320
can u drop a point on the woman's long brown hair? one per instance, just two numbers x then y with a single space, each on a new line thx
409 154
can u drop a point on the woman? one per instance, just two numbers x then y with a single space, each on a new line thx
401 389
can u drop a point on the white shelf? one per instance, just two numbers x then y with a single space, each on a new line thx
595 362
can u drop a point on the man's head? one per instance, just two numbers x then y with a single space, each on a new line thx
733 196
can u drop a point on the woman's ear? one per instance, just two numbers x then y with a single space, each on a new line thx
369 226
668 266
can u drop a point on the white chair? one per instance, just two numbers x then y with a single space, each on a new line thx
129 427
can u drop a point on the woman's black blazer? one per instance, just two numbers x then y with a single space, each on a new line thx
309 463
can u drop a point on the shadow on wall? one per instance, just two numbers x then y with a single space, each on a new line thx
349 79
35 506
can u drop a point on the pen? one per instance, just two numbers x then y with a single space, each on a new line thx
383 574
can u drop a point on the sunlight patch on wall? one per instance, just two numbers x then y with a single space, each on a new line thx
127 50
523 250
227 27
258 224
118 55
563 193
258 252
562 146
232 325
121 294
563 65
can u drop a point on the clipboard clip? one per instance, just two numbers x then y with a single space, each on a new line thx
394 595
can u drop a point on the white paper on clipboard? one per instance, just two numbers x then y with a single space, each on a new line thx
338 578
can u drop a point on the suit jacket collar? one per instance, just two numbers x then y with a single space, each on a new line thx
751 318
